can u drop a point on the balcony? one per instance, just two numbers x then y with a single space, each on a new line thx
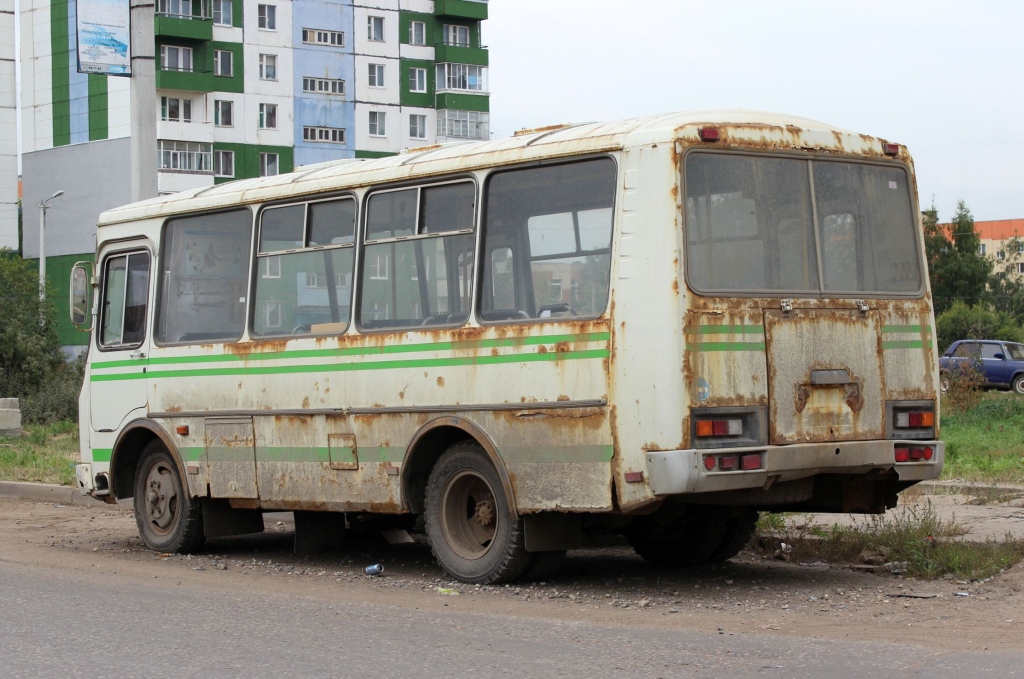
461 53
463 9
188 19
185 81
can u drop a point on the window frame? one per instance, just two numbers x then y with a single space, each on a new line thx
317 82
218 64
276 256
267 63
414 81
423 33
219 106
221 4
183 104
821 293
362 241
264 158
267 110
181 51
217 165
373 21
311 36
375 76
266 17
150 297
422 128
378 122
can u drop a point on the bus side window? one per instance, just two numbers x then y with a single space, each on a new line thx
125 300
558 220
204 272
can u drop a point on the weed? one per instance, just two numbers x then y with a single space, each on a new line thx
961 386
47 455
917 537
986 443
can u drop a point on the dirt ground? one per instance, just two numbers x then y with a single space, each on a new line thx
749 594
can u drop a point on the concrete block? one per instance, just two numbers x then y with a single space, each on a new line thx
10 417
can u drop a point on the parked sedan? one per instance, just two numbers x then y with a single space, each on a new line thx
1001 363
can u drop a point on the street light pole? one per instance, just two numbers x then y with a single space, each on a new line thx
43 205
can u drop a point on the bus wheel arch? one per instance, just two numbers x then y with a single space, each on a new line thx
128 449
426 448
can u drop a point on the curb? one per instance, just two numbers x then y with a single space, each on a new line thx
43 492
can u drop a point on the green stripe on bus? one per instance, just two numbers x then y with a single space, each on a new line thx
916 329
454 361
363 351
725 346
101 454
908 344
730 330
187 454
300 454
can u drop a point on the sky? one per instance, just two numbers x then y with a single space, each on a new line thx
945 79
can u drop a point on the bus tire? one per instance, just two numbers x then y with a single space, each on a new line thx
543 565
474 533
738 531
169 519
686 541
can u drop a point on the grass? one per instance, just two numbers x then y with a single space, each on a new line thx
919 541
48 454
986 442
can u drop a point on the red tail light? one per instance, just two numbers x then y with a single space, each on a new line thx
751 461
727 462
903 454
708 134
891 149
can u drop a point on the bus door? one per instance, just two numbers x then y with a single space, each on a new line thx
118 385
825 375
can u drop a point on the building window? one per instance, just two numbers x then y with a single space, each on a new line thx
981 249
461 77
323 86
268 164
173 58
185 156
377 123
222 12
224 163
222 63
176 110
268 117
376 76
331 135
315 36
417 33
417 80
1020 267
377 265
270 314
457 36
223 113
267 16
375 29
418 126
270 267
179 8
268 67
463 124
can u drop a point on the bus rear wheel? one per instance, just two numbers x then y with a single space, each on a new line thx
474 533
738 531
169 519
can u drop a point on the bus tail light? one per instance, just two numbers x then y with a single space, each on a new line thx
915 419
733 462
914 454
751 461
708 134
891 149
731 427
911 420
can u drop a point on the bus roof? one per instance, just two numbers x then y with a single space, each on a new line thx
751 129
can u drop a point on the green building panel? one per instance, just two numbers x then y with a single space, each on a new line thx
247 159
373 154
465 9
220 83
237 7
58 286
60 63
195 28
433 27
463 102
98 107
417 99
461 55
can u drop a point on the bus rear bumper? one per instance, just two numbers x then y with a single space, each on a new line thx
673 472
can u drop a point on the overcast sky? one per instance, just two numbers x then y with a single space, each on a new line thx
944 78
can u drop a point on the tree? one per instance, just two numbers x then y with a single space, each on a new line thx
974 322
30 351
957 269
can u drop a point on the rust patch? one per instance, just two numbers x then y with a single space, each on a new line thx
563 348
563 397
174 409
440 381
542 349
305 402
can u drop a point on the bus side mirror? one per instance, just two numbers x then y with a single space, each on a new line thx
81 297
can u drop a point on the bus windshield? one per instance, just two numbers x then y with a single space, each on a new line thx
811 227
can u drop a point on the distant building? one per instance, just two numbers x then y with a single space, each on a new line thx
8 131
995 241
243 88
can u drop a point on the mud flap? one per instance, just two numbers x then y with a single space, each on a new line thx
220 519
552 531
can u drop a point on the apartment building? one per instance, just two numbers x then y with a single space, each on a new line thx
240 88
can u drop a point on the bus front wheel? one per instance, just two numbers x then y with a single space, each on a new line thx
474 533
168 519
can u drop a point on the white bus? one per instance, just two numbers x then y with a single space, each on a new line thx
657 327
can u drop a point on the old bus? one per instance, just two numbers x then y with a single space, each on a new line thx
655 328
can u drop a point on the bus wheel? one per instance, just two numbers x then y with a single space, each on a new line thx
738 531
169 520
473 532
686 541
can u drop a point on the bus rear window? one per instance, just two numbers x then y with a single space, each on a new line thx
759 224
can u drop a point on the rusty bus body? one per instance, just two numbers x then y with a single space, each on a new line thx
750 355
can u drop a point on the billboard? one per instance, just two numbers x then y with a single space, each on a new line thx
104 37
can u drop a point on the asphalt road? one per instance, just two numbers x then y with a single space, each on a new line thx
64 620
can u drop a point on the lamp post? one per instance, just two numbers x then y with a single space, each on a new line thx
43 205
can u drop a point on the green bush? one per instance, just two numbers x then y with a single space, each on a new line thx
32 365
961 321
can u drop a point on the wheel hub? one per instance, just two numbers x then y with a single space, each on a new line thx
484 512
161 498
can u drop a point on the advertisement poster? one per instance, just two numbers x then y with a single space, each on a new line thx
103 37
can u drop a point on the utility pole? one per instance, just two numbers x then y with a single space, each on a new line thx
43 205
143 101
